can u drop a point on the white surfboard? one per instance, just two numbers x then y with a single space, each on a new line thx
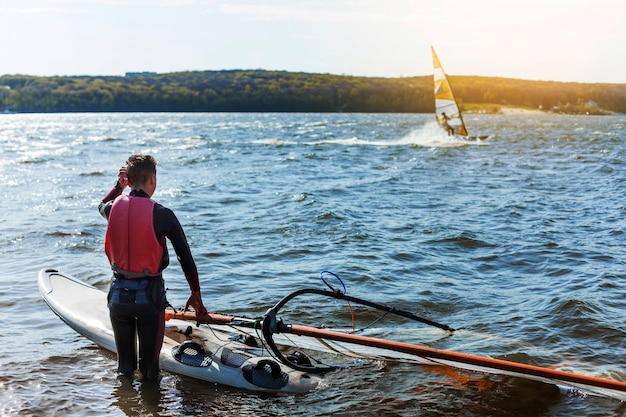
210 353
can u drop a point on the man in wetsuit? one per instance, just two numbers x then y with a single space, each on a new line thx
136 247
443 122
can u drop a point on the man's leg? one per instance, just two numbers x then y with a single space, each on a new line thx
124 330
150 328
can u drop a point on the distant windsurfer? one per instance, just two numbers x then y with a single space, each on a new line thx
443 122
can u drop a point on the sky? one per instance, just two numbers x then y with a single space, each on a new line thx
549 40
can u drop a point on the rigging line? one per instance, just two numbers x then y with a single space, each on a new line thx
345 352
296 345
285 360
265 347
369 325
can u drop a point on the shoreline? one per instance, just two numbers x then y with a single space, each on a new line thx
513 110
483 108
520 110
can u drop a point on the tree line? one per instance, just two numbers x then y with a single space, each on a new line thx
282 91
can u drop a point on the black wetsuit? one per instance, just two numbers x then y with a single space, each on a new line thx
136 306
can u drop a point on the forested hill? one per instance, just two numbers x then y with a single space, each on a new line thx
281 91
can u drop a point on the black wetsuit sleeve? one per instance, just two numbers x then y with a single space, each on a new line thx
166 225
105 205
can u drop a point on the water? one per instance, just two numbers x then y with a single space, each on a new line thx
518 240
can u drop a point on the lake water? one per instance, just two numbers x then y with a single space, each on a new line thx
518 239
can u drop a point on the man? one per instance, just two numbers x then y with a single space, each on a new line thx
443 122
136 247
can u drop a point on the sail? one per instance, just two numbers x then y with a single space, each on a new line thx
330 346
444 99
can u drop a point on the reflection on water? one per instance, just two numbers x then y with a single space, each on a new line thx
137 398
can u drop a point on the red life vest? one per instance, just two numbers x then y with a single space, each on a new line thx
130 242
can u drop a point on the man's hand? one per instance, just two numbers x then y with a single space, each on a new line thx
122 178
195 302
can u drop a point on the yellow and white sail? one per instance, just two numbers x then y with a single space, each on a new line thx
444 99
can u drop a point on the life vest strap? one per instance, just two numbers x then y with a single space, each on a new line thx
133 275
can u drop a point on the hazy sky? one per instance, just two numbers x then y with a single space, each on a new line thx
568 40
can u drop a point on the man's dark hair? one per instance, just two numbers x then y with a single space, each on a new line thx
139 168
